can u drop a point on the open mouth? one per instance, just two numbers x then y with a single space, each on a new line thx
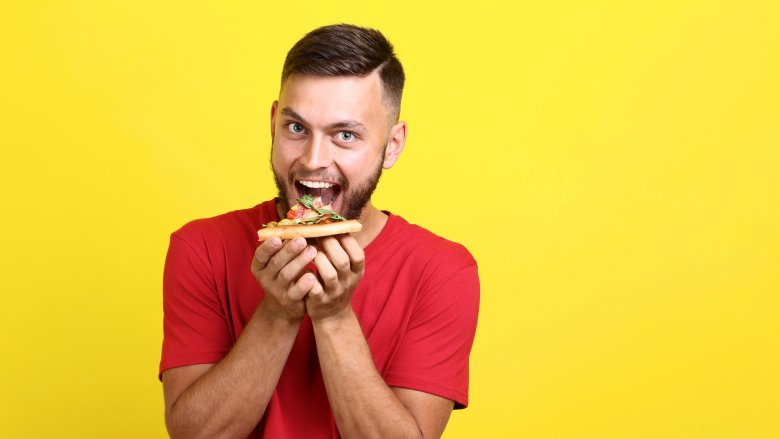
328 191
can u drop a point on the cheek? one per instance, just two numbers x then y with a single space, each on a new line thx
349 161
278 163
359 165
281 154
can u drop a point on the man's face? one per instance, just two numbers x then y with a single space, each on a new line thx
329 138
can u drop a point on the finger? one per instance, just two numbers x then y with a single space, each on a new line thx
264 252
302 287
326 272
290 250
357 257
316 293
293 269
337 256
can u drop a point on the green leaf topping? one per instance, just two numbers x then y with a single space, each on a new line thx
306 200
333 215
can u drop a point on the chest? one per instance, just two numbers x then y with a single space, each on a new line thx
384 301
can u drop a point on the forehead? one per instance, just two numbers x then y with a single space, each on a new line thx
331 98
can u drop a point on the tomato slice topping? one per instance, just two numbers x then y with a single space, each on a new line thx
295 213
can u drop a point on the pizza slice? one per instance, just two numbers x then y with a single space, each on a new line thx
310 218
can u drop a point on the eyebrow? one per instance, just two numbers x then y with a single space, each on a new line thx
350 123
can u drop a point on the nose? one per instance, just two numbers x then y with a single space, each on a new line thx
317 154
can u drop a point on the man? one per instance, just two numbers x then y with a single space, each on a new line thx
375 341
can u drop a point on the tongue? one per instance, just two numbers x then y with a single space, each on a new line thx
327 194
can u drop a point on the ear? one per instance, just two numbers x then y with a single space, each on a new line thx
274 108
395 144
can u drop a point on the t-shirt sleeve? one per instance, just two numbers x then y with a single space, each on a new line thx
195 329
434 353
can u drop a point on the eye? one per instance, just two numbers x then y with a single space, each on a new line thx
295 128
346 136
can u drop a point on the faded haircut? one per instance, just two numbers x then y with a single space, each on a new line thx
349 50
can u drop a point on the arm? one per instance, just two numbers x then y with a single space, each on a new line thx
362 403
229 399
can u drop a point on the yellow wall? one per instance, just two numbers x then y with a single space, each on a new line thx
613 166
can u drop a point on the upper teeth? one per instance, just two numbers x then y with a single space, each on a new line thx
316 184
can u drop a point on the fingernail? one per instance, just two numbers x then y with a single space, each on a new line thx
275 242
310 251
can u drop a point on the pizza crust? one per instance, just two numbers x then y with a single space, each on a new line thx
309 230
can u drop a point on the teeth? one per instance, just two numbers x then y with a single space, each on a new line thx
316 184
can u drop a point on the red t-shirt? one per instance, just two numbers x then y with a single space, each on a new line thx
417 304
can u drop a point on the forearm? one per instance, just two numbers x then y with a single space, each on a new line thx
230 399
362 403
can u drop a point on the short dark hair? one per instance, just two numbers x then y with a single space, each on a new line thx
348 50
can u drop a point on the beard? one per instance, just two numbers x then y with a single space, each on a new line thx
353 200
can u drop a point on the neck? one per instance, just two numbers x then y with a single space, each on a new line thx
373 221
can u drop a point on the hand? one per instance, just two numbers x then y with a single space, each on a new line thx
278 267
340 264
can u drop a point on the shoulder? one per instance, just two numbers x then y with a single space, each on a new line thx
422 244
419 256
234 225
444 274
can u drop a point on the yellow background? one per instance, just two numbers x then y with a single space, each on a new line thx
613 166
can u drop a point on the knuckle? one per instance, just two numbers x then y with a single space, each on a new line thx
285 276
295 293
341 264
257 266
275 264
262 273
316 291
328 277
